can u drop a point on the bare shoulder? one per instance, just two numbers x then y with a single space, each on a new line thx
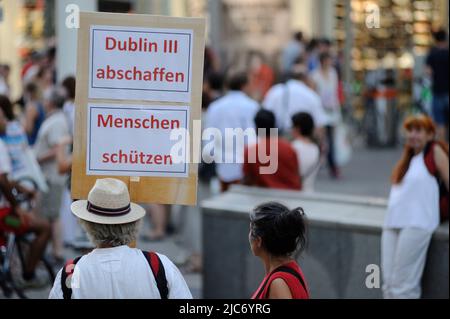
439 153
279 290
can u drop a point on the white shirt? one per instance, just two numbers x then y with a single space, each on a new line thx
17 143
293 50
120 273
300 98
5 168
328 91
415 201
69 111
234 110
308 155
52 130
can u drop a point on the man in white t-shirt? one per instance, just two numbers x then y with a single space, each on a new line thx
236 110
13 219
116 269
285 100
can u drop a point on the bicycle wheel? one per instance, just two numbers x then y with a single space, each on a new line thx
44 270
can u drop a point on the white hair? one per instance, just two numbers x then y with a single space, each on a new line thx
111 235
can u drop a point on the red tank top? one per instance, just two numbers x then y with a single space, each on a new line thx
298 288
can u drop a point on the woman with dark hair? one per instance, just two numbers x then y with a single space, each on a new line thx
276 233
308 152
413 208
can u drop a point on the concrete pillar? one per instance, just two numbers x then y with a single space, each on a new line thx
215 28
144 6
67 37
178 8
324 18
9 43
348 73
158 7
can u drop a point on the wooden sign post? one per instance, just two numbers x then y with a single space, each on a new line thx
138 93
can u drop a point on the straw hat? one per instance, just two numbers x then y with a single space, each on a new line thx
108 203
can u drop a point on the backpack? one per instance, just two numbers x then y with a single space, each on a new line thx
152 258
443 192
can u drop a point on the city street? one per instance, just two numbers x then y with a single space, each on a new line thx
367 174
250 143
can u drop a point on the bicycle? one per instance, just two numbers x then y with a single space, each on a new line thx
13 250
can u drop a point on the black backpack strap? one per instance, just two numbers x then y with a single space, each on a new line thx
261 290
293 273
159 273
66 275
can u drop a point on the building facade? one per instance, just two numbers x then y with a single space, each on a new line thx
238 26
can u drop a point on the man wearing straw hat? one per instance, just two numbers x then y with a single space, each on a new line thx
115 269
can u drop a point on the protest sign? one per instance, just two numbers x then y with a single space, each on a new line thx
139 80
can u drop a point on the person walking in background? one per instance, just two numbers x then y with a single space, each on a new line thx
52 131
327 84
31 66
285 100
437 65
235 110
308 152
34 112
276 234
282 165
45 79
212 91
115 269
261 75
69 104
293 50
316 48
413 209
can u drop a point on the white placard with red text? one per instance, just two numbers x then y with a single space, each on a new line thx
138 94
134 140
132 63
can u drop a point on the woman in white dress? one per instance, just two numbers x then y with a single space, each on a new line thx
413 209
